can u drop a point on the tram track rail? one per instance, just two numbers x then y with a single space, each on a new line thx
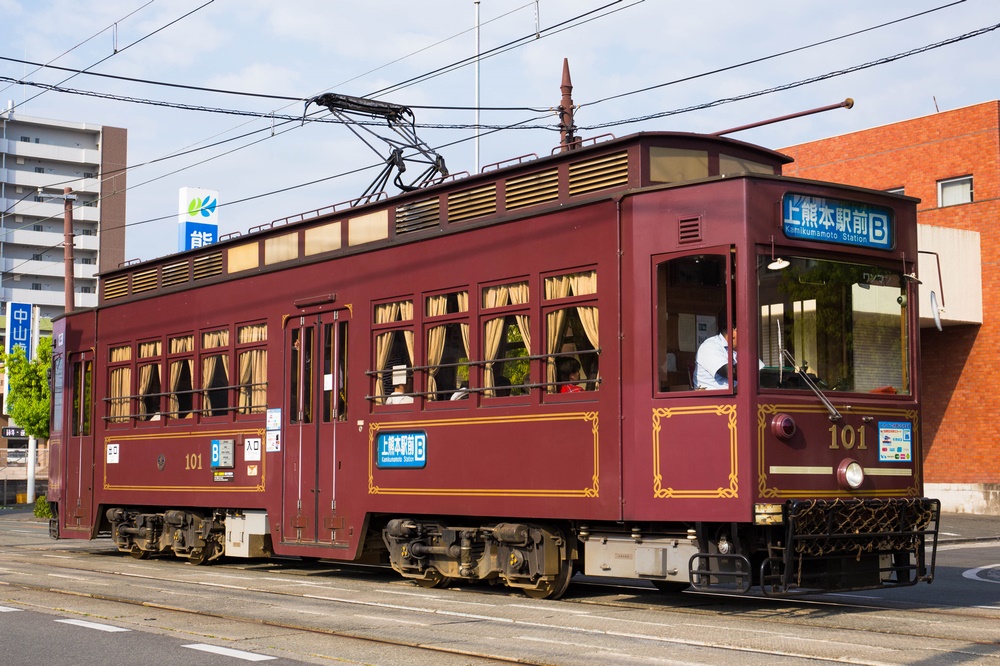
776 617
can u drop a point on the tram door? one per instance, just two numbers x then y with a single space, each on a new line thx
78 448
315 410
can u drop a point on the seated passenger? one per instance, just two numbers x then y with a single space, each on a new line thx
398 396
568 370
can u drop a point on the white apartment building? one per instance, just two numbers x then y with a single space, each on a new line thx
42 157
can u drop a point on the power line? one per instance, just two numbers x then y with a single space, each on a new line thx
125 48
797 84
772 56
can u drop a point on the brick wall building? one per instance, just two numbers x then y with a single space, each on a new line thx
951 162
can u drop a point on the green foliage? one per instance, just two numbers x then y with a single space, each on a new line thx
42 508
28 390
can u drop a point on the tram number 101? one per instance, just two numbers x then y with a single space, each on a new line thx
847 438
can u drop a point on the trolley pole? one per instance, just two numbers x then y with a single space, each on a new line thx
567 130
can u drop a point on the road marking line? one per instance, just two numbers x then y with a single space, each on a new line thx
974 573
93 625
4 609
227 652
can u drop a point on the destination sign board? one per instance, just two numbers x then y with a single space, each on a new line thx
836 221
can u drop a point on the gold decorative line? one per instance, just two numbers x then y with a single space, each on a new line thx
223 487
592 492
730 492
110 439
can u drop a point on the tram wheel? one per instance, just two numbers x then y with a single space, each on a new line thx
138 553
199 556
552 589
433 579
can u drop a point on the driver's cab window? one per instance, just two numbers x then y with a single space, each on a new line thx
692 323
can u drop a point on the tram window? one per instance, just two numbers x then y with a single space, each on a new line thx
393 347
447 350
83 397
252 368
300 369
215 373
180 377
691 292
119 384
842 325
150 395
572 338
335 378
57 394
506 340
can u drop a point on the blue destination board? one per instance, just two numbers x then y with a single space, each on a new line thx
835 221
402 450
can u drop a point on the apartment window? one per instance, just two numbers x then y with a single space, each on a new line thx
88 260
87 290
36 257
26 139
37 227
39 169
955 191
36 286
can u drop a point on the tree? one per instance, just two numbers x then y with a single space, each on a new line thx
28 390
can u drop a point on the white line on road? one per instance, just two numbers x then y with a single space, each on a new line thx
974 574
228 652
5 609
93 625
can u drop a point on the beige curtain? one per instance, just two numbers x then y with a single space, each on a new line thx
252 370
180 346
436 306
149 379
463 306
581 284
253 375
493 297
384 314
555 287
210 363
121 380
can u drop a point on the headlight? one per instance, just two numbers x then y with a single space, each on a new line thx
850 474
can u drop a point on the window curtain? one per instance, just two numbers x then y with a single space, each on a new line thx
121 381
493 297
209 365
555 287
384 314
179 346
149 376
253 371
586 283
436 306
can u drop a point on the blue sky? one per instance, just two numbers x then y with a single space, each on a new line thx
301 48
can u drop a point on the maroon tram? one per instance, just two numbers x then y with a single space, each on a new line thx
494 378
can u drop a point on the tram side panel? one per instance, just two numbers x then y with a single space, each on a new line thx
687 453
542 456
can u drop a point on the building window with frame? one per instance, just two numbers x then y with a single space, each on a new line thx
215 372
447 351
150 396
251 356
119 384
181 373
572 340
394 340
954 191
506 340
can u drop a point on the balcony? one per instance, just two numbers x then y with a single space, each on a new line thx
33 180
88 157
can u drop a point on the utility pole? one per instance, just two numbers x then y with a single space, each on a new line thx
68 199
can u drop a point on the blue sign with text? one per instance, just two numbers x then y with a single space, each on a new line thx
19 327
402 450
196 234
835 221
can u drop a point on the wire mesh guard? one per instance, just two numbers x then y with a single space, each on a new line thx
820 527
